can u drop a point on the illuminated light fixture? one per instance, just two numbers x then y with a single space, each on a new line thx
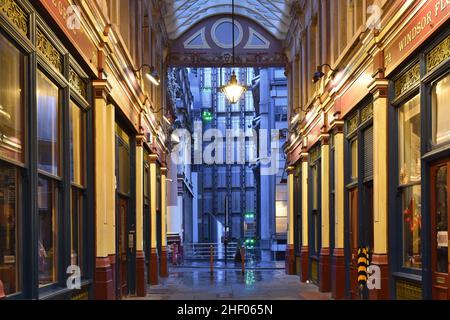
319 73
166 119
295 118
152 75
233 90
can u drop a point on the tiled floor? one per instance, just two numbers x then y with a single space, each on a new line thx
197 283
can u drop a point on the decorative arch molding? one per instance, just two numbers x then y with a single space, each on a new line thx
209 44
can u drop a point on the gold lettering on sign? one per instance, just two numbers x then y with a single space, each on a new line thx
438 54
409 79
49 51
15 14
425 21
415 31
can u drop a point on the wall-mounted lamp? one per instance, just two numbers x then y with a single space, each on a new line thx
152 75
319 73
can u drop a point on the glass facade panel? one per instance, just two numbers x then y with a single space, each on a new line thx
441 220
10 191
76 221
77 144
48 235
354 160
11 101
440 113
412 217
123 147
48 108
409 141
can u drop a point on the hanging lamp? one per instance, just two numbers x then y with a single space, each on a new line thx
233 90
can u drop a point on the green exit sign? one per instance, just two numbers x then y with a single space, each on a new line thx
207 116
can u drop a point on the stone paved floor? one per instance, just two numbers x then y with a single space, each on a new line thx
187 283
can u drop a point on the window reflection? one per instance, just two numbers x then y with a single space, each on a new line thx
409 177
409 141
441 220
76 222
441 116
11 101
47 247
412 218
354 160
77 144
9 233
48 124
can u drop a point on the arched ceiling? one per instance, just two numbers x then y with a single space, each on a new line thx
273 15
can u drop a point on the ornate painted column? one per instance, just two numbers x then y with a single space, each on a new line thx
154 251
338 261
164 271
290 252
379 90
104 195
141 283
324 259
304 250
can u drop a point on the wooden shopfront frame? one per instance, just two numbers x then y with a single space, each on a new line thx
409 283
356 125
315 212
45 52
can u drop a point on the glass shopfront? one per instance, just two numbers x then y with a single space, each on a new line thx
315 218
359 183
421 126
12 154
44 123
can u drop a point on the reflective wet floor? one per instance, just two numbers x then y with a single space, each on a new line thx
264 283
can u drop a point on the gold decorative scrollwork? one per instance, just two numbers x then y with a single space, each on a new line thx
439 54
49 51
15 14
352 124
314 154
406 290
409 79
77 83
366 113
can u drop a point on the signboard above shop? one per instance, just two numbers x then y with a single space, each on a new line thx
426 20
68 17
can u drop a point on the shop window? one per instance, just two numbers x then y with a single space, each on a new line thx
48 112
48 199
440 114
123 147
354 160
77 222
77 129
10 214
411 210
409 141
409 177
441 220
11 101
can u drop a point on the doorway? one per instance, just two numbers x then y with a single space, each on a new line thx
440 178
353 233
122 248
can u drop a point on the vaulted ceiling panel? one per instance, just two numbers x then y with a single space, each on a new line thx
272 15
